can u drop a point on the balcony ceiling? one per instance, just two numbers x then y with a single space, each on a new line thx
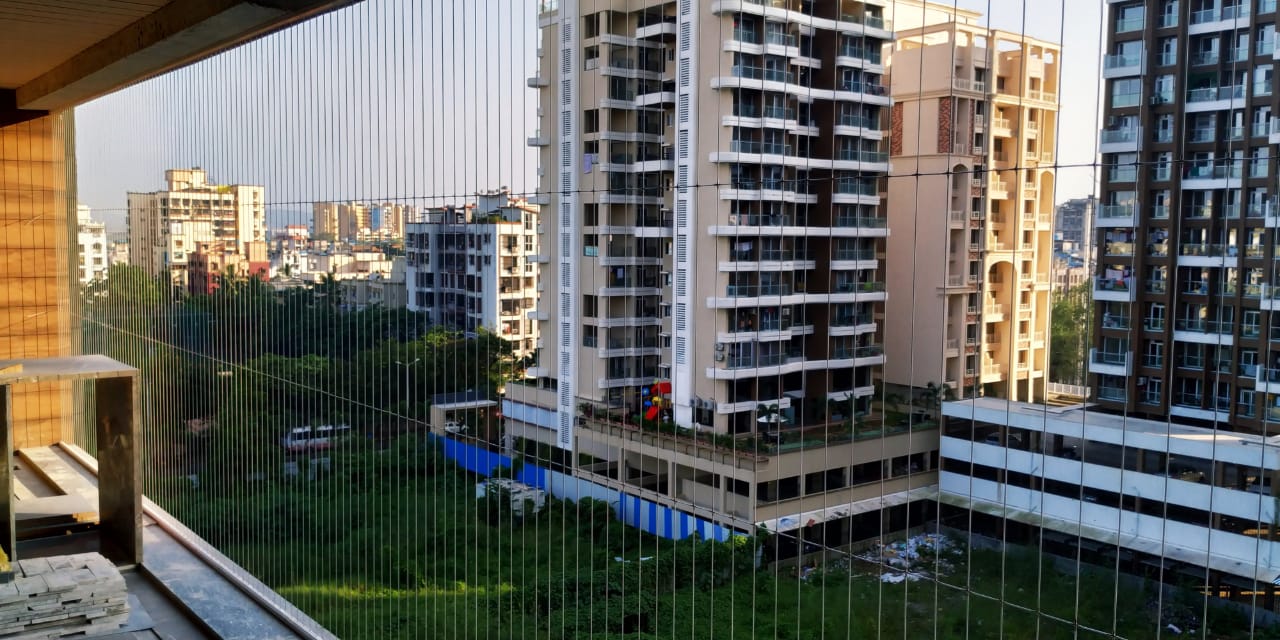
41 34
55 54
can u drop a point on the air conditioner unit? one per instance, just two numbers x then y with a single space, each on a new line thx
719 357
719 346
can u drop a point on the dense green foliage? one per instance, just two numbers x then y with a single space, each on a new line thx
395 545
1069 334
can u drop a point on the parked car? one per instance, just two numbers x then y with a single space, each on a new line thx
455 427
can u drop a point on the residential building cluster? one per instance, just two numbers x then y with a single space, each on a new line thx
191 215
803 250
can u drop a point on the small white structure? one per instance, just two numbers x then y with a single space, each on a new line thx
521 495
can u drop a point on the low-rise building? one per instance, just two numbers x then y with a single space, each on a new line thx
211 263
378 289
1152 491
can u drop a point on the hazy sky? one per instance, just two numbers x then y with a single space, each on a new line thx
418 100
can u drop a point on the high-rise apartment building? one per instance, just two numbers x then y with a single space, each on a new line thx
91 236
165 227
1073 228
970 205
1173 462
472 267
341 220
713 175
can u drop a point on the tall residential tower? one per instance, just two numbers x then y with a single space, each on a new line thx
713 175
970 206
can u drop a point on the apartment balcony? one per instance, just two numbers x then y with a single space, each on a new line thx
630 288
859 57
861 160
1203 331
958 219
1269 298
994 312
998 190
992 372
1124 140
858 125
1116 364
1219 19
1112 393
866 91
1217 174
664 30
1001 128
961 84
1215 98
1114 290
1267 381
1116 215
656 99
1207 255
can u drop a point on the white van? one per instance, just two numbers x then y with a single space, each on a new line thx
313 438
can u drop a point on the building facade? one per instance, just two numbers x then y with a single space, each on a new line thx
1183 290
91 237
970 206
474 267
1171 462
1073 228
165 227
209 266
712 258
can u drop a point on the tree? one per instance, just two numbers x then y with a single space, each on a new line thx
1069 334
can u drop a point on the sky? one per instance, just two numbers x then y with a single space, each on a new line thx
422 102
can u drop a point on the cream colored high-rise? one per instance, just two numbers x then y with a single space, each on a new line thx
712 178
166 226
970 206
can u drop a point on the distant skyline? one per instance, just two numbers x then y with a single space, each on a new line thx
381 101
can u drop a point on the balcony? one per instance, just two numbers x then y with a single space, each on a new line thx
1215 98
1120 140
1116 364
1203 331
1267 381
1269 298
1116 215
1112 393
1193 254
1125 25
1114 289
1219 19
1121 66
961 84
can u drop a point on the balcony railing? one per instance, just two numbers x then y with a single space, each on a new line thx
1216 93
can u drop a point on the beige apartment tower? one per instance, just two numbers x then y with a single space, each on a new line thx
165 227
712 185
970 207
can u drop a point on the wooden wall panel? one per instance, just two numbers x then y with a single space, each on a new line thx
37 207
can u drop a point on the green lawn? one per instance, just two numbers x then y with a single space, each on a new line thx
401 552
